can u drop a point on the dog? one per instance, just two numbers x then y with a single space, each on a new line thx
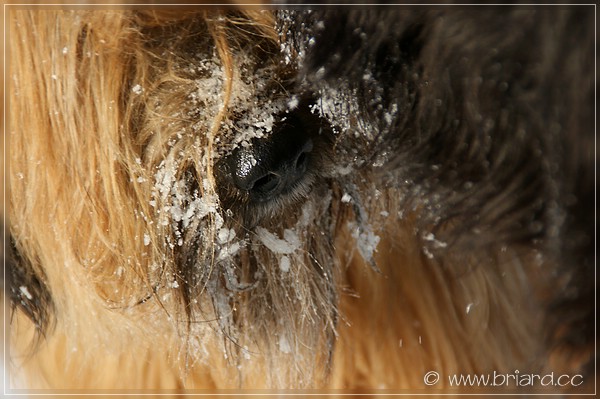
335 198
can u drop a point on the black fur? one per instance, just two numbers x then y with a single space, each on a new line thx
493 133
494 129
27 289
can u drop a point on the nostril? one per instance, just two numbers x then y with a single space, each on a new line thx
269 168
273 165
266 184
254 170
301 163
245 169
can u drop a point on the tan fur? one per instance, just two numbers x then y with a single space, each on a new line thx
419 315
76 211
380 344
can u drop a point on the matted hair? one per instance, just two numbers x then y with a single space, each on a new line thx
390 259
115 132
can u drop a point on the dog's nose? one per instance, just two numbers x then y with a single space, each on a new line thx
273 165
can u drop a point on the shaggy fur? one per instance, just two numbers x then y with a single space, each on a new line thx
444 221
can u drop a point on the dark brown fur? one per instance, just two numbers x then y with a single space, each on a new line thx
460 138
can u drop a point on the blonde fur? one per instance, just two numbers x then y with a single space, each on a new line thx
86 146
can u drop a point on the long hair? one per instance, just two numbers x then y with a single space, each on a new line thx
418 239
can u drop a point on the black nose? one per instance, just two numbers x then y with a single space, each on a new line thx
273 165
